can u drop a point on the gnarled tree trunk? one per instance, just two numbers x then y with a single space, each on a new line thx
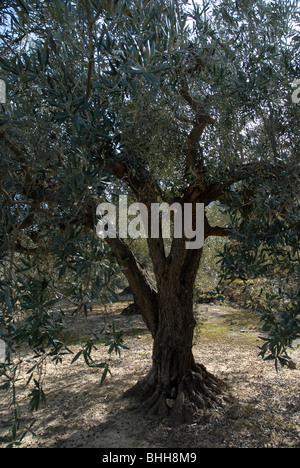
175 386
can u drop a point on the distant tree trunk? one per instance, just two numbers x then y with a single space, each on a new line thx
175 386
133 308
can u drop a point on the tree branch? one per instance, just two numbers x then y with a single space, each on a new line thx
201 120
91 60
216 231
140 281
247 171
142 185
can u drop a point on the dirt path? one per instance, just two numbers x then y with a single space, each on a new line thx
264 411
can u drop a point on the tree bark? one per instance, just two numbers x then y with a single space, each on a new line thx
175 387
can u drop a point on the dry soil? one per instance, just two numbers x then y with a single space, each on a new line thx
264 410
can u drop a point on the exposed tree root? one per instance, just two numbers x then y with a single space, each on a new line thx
180 402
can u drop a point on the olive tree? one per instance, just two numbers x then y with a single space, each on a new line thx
164 102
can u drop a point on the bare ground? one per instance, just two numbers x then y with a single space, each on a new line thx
264 409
